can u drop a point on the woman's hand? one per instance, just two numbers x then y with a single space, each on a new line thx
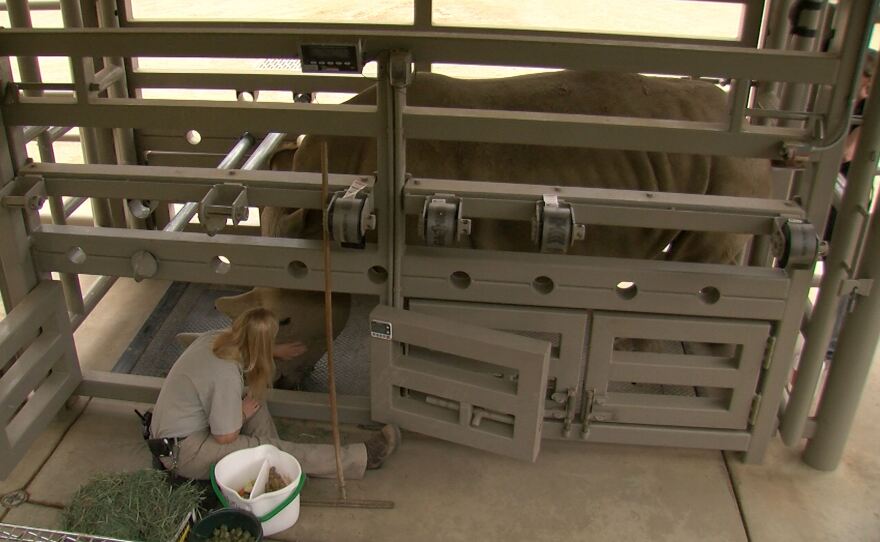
287 351
249 406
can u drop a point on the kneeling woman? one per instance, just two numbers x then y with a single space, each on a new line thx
205 405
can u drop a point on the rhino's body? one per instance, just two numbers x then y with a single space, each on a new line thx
557 92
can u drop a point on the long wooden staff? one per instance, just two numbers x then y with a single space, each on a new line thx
328 321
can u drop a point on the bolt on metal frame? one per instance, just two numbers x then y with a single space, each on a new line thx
769 294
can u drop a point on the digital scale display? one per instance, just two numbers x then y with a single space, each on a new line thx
380 329
339 58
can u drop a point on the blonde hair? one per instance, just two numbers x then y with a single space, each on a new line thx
249 341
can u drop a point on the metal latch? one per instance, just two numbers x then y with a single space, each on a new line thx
567 398
554 228
350 215
441 223
860 287
795 243
222 202
25 192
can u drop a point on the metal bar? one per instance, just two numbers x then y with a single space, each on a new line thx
36 5
592 131
858 340
31 132
71 205
189 210
285 403
192 257
94 296
183 115
57 132
261 81
452 47
264 151
634 208
172 183
853 218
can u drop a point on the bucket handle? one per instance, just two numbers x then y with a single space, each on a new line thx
272 513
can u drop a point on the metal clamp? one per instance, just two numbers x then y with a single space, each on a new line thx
25 192
222 202
795 243
441 223
554 228
142 208
350 215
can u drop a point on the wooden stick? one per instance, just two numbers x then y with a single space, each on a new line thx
328 321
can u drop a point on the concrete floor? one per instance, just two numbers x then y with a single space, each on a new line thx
444 491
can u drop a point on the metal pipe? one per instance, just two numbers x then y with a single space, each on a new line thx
182 218
858 339
58 132
263 151
31 132
97 292
35 5
72 205
848 229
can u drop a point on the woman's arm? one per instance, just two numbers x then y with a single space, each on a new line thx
249 407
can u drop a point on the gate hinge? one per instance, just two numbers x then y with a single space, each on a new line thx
756 406
554 227
795 243
860 287
24 192
350 214
441 223
769 351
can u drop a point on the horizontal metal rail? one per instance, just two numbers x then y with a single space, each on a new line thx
231 117
594 131
180 184
37 5
608 207
238 81
434 46
195 257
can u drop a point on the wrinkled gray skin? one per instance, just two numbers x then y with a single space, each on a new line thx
590 93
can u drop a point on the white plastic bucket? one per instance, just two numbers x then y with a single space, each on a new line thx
277 510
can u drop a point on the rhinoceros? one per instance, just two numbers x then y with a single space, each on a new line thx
590 93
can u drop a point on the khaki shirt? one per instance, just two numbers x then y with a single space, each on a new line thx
200 392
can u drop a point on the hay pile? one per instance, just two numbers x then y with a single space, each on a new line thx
139 505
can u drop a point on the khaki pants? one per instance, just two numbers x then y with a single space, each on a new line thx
198 451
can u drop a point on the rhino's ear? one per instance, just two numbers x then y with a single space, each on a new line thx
234 305
282 160
278 222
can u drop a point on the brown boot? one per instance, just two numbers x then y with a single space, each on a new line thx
381 445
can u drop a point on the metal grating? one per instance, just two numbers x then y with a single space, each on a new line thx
32 534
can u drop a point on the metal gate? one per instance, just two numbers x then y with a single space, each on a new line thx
447 359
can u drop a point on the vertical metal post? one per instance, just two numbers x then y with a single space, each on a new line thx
853 213
29 68
18 274
423 19
385 173
82 70
858 337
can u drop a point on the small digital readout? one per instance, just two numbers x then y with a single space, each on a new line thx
331 58
380 329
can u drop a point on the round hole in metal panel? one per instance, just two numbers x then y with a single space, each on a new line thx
297 269
460 279
76 255
193 137
377 274
626 289
543 285
221 265
246 96
710 295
